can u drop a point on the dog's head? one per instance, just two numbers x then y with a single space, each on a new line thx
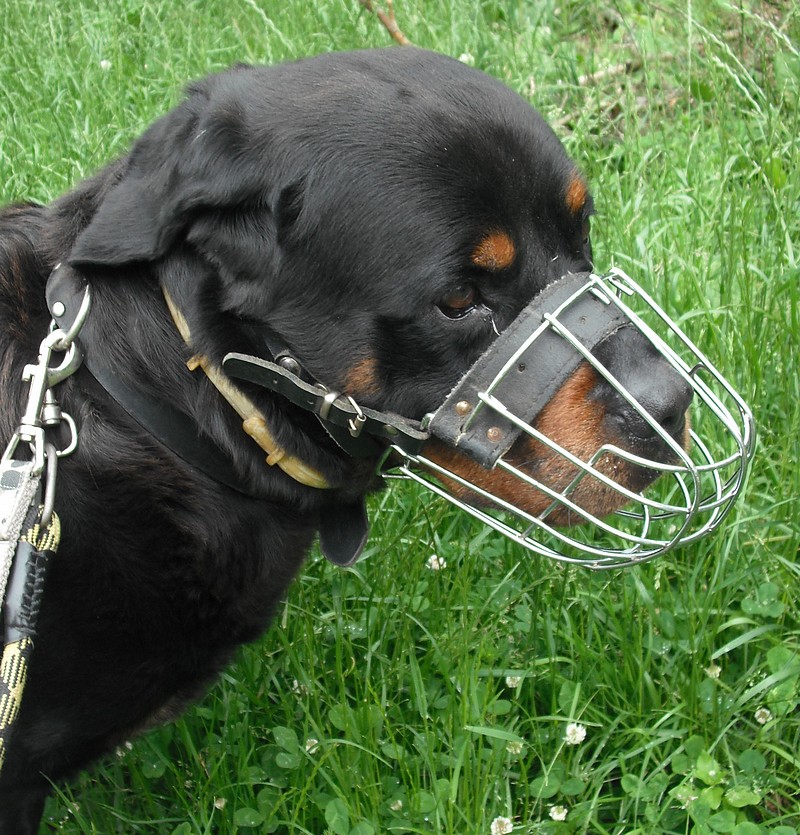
387 214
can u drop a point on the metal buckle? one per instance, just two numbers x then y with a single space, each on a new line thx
356 424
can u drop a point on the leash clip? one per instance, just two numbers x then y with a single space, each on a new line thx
42 410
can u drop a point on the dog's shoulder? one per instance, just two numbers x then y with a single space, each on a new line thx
22 267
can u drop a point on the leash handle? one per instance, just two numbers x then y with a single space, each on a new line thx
13 675
34 553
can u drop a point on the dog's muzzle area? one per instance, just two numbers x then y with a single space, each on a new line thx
592 431
585 414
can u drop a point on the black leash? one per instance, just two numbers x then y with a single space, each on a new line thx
29 528
35 550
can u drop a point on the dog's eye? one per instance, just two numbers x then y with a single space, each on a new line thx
585 231
459 301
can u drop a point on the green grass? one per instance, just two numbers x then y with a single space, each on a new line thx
400 672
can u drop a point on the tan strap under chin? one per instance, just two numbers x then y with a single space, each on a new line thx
253 421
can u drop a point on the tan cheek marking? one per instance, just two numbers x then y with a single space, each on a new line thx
576 193
571 420
495 252
362 380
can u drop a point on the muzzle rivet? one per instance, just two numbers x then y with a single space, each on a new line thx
290 364
59 309
494 434
463 408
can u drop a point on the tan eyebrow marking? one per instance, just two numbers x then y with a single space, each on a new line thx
495 252
577 193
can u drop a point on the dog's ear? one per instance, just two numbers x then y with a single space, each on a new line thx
184 164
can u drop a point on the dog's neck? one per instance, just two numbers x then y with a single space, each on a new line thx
340 510
154 406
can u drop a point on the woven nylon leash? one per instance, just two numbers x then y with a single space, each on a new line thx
35 549
29 528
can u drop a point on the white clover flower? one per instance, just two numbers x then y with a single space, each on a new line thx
312 745
467 58
396 805
501 826
558 813
713 670
299 689
514 747
575 734
513 681
435 563
105 65
219 803
763 715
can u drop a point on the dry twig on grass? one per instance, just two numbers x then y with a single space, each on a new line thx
625 68
388 19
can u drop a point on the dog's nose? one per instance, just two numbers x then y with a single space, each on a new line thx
650 380
664 395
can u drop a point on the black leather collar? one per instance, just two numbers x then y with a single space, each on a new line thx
169 425
360 432
343 528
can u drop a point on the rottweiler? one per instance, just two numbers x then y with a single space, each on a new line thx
372 220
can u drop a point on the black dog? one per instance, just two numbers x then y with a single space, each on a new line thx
381 215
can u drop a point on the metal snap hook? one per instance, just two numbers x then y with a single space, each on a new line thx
69 365
73 437
49 497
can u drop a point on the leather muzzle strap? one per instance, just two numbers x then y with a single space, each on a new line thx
540 367
253 421
359 431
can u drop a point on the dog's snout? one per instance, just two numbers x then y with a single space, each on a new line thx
651 381
665 396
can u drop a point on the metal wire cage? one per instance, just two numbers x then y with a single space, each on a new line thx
694 492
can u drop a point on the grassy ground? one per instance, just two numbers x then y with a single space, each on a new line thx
396 698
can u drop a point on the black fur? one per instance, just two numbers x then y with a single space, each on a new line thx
338 200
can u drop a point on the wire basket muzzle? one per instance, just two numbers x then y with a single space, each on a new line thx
506 454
